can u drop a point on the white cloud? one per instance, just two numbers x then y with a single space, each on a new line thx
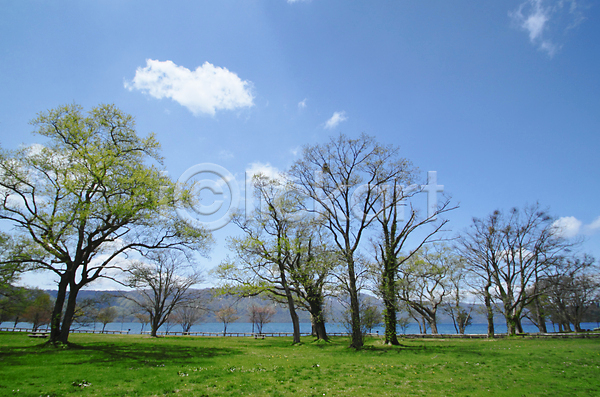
203 91
544 19
567 226
265 169
302 104
593 227
337 118
296 1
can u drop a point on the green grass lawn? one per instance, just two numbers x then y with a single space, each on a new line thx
133 365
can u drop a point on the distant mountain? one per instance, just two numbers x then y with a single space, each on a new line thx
213 303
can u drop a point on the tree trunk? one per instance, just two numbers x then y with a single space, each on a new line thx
291 305
433 325
57 311
69 313
489 311
357 336
317 318
541 320
390 305
154 325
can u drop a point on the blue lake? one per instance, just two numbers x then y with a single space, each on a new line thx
304 327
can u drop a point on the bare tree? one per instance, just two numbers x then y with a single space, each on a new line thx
260 315
226 315
509 253
143 319
345 177
394 235
107 315
163 284
188 315
570 291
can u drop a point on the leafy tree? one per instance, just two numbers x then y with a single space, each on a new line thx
455 307
87 197
227 315
424 282
345 178
162 285
369 312
280 254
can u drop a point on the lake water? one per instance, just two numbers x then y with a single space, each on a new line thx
304 328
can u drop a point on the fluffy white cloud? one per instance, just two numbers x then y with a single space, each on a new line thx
567 226
302 104
265 169
337 118
203 91
541 18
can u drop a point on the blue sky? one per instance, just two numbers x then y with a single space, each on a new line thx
502 99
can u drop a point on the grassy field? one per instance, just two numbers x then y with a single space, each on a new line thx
133 365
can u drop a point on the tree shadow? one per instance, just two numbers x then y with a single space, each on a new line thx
125 354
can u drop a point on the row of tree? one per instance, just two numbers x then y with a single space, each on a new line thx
94 201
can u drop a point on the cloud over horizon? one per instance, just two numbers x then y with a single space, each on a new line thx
205 90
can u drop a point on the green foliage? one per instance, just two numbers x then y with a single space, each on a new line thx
111 365
95 190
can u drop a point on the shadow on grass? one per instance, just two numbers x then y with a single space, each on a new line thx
125 354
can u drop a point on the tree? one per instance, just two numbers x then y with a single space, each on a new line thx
87 197
227 315
143 319
163 284
38 312
510 253
369 312
187 316
461 316
345 179
107 315
394 236
260 315
570 291
424 282
281 255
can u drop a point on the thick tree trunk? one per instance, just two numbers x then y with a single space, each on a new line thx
390 306
69 313
57 311
317 317
433 325
540 318
357 336
291 305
